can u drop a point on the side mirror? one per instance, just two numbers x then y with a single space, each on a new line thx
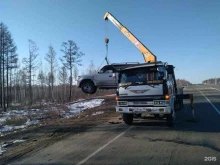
160 69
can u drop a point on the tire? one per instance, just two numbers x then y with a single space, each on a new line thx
137 115
88 87
170 120
181 103
128 118
159 116
178 105
156 115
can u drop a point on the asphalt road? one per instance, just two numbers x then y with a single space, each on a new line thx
147 141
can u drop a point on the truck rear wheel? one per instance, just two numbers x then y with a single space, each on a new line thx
128 118
88 87
170 120
178 104
156 115
137 115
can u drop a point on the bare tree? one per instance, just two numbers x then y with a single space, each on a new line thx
76 73
71 58
21 83
42 79
51 59
7 48
92 68
11 63
63 77
31 64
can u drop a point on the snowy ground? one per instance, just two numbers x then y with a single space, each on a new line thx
76 108
33 116
4 145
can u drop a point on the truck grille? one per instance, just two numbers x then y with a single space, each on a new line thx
140 103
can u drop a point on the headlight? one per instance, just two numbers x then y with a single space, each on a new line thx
122 103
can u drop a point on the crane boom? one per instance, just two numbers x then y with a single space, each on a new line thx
148 55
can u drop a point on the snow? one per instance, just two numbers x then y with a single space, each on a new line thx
2 149
78 107
16 114
37 114
74 108
9 143
19 141
7 128
97 113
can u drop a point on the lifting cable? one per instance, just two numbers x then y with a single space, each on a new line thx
106 42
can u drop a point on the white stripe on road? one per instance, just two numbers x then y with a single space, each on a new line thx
101 148
216 109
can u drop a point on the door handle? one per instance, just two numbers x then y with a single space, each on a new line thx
109 76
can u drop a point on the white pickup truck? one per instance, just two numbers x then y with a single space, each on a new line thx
103 79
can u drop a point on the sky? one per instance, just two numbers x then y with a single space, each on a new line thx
184 33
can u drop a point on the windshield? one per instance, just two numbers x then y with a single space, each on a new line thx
141 76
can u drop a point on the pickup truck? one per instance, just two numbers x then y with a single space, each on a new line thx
103 79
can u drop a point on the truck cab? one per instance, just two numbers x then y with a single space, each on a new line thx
146 88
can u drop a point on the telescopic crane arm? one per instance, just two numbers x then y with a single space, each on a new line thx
148 55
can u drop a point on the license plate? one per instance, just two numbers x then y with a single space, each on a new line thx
140 109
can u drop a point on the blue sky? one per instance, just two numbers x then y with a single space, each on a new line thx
185 33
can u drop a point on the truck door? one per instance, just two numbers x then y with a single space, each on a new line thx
105 76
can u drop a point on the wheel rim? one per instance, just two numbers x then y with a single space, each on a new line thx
87 87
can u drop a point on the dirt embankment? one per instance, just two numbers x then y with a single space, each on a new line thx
48 131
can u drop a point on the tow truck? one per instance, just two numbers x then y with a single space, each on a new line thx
148 88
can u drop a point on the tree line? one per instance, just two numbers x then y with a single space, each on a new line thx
212 81
26 82
183 82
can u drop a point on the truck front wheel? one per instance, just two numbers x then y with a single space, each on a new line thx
170 120
128 118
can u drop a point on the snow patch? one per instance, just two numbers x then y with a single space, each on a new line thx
8 128
97 113
18 141
2 150
38 114
76 108
4 145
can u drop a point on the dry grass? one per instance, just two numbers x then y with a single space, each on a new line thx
15 121
53 114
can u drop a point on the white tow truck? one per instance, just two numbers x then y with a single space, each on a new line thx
147 88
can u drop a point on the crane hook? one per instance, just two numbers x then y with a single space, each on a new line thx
106 40
106 57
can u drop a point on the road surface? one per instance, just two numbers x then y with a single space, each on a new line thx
147 141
